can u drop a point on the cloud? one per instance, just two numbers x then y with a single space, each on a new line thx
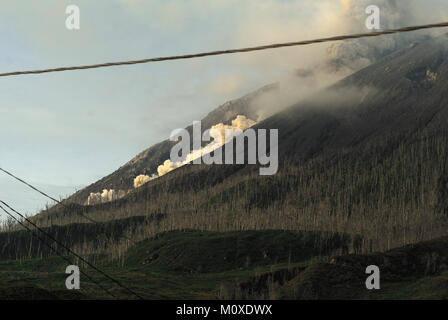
166 167
226 85
167 15
99 118
301 71
105 196
141 180
274 23
356 54
220 134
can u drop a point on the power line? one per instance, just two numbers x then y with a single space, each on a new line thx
55 251
230 51
57 201
43 193
69 250
60 202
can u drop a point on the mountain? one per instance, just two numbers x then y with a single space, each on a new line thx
362 179
147 161
242 265
364 156
401 93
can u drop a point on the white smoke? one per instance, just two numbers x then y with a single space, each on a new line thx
221 134
359 53
319 66
94 198
219 130
141 180
242 123
218 133
167 166
105 196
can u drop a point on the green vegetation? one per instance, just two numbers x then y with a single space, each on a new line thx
362 170
392 191
257 265
207 252
173 265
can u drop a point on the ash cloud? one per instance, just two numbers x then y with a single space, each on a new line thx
316 67
359 53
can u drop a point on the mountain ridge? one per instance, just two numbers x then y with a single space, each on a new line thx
355 156
146 162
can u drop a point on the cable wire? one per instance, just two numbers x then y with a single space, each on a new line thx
56 251
57 201
71 252
231 51
43 193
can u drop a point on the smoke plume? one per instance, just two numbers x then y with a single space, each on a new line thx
105 196
141 180
217 132
316 67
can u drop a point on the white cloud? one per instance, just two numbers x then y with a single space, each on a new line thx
99 118
226 85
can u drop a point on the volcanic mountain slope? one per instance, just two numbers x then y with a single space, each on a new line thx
365 156
393 99
404 92
269 264
147 161
365 159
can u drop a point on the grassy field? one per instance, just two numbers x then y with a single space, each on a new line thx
240 265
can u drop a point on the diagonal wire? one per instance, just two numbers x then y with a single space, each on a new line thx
231 51
43 193
57 252
60 202
72 252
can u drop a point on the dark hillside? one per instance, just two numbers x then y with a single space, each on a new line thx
205 252
366 156
155 155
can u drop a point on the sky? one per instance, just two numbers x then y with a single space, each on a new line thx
62 131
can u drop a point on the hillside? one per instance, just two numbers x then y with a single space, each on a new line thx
308 268
365 156
399 95
148 160
362 170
